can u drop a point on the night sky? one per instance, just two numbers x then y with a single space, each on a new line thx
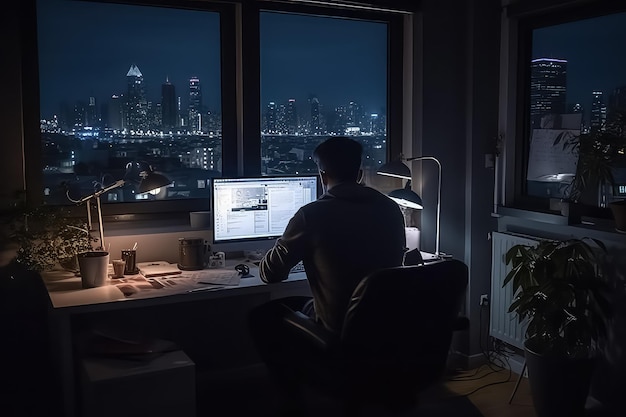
594 49
86 49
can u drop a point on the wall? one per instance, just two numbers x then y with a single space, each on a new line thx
459 45
11 169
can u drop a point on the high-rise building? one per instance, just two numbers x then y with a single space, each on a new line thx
195 104
548 86
91 113
598 111
291 117
315 116
617 100
115 112
270 118
169 113
136 103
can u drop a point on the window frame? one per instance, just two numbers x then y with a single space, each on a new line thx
240 83
518 22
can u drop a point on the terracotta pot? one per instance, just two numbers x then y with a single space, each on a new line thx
619 214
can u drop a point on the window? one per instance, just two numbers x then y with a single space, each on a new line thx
571 82
124 84
321 76
161 87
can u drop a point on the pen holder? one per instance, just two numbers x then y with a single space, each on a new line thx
130 257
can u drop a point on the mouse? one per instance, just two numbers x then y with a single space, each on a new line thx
243 269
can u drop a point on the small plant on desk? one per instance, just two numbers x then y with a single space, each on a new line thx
47 236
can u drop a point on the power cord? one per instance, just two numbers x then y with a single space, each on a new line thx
497 358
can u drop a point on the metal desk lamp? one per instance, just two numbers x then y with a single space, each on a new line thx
136 172
407 197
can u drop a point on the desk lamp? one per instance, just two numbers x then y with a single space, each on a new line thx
407 197
136 172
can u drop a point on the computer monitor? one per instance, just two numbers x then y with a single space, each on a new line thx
258 209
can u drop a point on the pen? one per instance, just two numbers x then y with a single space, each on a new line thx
205 289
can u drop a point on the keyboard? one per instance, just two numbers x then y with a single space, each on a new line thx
299 267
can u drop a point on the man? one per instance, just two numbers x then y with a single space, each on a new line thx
349 232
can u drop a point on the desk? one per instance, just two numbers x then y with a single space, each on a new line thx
207 324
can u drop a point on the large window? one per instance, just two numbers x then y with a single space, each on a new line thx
572 83
122 85
321 76
139 86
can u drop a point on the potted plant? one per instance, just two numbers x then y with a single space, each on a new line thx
559 291
599 151
47 236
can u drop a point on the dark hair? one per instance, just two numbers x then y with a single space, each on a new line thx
340 157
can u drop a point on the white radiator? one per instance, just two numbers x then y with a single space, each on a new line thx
504 325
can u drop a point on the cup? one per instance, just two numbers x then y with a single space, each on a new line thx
129 256
94 268
119 265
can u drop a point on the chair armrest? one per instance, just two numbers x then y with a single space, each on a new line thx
306 327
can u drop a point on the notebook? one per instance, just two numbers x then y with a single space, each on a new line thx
157 269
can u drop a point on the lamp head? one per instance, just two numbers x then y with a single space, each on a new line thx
141 172
406 197
397 169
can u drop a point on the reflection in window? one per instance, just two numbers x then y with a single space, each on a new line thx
320 76
577 83
122 83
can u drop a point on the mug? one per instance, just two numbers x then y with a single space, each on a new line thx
193 253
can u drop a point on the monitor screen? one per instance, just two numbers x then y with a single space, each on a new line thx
246 209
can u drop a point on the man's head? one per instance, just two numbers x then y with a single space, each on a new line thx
339 160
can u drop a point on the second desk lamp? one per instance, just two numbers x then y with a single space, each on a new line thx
407 197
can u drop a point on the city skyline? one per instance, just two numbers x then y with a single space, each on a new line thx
592 48
152 38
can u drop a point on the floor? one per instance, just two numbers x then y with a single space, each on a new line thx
489 388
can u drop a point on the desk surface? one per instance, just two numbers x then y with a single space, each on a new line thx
66 292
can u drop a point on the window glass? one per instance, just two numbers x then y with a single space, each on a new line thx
125 90
320 76
577 84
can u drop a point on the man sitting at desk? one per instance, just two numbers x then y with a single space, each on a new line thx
349 232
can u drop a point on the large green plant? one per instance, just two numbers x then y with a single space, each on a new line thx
559 287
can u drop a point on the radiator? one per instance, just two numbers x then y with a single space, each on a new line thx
504 325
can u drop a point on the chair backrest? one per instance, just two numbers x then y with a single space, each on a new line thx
401 319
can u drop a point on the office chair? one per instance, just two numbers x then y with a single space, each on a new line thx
394 341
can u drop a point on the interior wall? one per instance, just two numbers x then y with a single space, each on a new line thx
459 50
11 169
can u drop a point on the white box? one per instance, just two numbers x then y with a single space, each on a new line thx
164 386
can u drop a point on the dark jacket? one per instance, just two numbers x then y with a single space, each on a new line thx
347 233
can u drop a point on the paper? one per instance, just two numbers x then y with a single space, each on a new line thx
548 162
213 276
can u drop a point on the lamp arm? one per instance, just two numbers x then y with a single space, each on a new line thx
96 196
437 232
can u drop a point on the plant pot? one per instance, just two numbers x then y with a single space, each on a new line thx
572 211
559 386
618 208
94 268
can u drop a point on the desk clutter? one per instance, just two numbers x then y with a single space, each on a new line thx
165 276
